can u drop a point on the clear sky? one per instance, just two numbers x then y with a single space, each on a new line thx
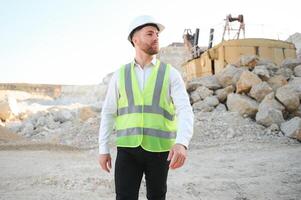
80 41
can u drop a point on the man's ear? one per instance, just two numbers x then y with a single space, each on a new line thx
134 39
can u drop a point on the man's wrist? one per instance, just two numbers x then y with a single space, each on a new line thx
182 145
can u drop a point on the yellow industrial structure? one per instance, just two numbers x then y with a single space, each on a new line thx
216 58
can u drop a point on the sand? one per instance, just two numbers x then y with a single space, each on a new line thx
237 171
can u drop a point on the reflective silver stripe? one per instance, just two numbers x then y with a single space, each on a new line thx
146 131
159 133
128 84
130 109
147 109
159 84
154 108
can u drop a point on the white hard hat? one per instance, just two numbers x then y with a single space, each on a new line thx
143 20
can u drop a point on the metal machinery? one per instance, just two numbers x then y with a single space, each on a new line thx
228 28
191 39
191 42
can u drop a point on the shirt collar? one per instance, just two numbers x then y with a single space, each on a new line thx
153 63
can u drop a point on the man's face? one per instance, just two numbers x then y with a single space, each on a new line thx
147 40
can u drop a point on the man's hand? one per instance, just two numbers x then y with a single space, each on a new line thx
177 156
105 162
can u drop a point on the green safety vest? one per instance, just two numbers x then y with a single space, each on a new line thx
145 118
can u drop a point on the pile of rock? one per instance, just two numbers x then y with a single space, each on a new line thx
67 120
76 127
257 89
264 99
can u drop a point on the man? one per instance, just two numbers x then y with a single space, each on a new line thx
149 106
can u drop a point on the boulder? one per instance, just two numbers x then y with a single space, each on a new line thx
202 106
260 90
285 72
269 116
211 101
228 76
193 85
269 101
244 105
292 128
194 97
277 81
62 115
295 83
262 72
297 71
296 113
209 82
204 92
223 93
246 81
288 97
290 63
272 68
249 61
220 107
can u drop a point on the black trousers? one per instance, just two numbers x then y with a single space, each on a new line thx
131 164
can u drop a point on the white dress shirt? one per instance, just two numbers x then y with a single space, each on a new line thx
177 93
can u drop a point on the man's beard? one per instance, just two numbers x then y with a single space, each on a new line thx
151 50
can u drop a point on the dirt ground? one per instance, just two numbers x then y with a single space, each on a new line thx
238 171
